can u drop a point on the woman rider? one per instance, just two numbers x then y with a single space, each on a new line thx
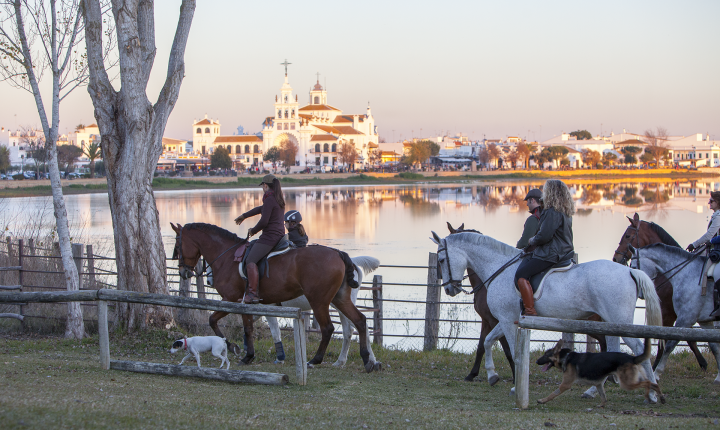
712 231
553 241
271 224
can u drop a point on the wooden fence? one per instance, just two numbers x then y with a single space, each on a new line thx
526 324
105 295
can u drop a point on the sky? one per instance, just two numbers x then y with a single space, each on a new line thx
482 68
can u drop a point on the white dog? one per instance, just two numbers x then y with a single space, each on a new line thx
196 345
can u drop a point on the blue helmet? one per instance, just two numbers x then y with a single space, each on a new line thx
293 216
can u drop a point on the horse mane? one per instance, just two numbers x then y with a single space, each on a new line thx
477 238
675 251
663 235
214 230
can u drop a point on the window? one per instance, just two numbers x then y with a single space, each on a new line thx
238 149
334 147
286 114
286 98
326 148
229 148
207 129
317 147
279 113
317 161
317 100
292 126
255 149
279 126
199 130
203 149
325 160
286 126
292 113
247 149
707 155
715 156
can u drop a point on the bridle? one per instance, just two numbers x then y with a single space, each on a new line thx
177 255
451 281
624 255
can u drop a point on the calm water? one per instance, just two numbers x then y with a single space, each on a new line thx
394 223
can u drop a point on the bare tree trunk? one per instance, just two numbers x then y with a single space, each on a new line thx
131 129
75 327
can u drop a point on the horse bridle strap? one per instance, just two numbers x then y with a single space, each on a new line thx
637 241
181 261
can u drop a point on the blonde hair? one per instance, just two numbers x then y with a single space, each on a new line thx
556 195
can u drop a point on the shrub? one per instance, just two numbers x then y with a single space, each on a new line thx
18 177
409 175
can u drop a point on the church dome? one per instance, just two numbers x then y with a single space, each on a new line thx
317 87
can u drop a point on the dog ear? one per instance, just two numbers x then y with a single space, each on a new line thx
559 346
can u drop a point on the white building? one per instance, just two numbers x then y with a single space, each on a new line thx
82 137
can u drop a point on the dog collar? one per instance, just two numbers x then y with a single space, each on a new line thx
185 341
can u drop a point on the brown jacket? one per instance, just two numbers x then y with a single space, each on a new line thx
271 222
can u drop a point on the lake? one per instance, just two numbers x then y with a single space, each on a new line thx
394 223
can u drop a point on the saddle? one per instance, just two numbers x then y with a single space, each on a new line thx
241 254
538 281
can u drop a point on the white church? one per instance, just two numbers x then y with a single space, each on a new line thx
318 129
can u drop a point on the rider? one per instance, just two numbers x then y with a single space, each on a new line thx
296 231
532 223
712 231
271 224
553 241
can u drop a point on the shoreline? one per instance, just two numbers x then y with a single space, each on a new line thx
40 188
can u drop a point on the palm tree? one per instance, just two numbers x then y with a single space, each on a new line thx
92 152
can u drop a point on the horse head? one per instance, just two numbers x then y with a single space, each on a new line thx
638 234
445 267
186 270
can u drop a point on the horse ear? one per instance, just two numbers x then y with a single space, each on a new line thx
435 238
450 227
462 227
636 217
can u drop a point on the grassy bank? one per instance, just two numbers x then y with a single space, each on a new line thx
57 383
28 188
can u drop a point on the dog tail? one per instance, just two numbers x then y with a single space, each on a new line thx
653 314
646 352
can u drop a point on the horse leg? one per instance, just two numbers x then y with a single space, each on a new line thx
484 331
214 318
508 355
347 329
660 367
698 355
490 340
714 347
249 329
637 347
277 338
322 315
346 306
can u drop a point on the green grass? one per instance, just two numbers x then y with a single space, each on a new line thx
55 383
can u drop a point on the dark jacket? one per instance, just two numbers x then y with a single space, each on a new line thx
271 222
554 239
530 229
299 241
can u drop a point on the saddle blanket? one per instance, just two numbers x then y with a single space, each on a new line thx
263 266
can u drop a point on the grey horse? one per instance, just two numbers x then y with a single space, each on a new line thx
690 306
598 287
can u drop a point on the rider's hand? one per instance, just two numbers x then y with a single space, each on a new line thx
690 247
239 220
251 232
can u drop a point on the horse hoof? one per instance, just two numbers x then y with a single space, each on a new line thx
279 362
310 366
512 391
338 364
369 367
470 378
716 382
378 366
494 380
246 360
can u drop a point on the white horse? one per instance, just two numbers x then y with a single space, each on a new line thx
690 306
598 287
363 265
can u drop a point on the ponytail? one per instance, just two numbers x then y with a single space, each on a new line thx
277 190
301 229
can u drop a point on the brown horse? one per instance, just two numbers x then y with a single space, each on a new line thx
642 233
318 272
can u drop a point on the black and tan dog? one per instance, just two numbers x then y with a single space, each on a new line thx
595 368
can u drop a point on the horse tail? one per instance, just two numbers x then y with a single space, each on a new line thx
653 314
349 270
367 264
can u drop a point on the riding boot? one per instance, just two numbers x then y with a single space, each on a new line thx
526 293
253 280
716 312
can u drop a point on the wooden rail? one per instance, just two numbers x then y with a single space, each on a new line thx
104 295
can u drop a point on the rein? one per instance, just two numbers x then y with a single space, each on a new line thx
681 265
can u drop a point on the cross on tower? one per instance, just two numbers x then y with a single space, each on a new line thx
285 64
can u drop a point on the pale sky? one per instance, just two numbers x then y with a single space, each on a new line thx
495 69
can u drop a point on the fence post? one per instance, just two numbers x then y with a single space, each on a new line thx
377 304
522 368
20 280
77 252
31 244
432 306
184 291
90 267
300 334
569 340
200 280
103 334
